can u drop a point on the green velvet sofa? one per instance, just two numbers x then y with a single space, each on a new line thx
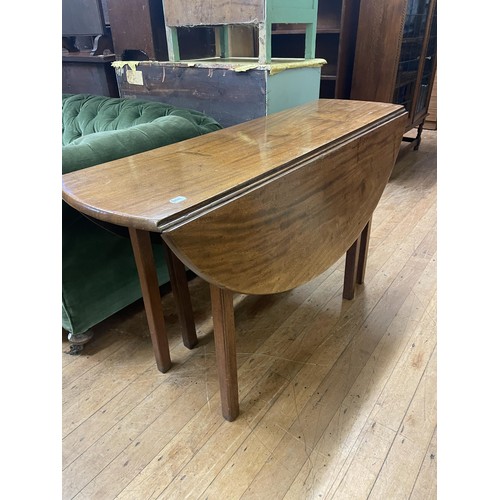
99 276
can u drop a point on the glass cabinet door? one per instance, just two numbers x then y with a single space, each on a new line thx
411 52
429 64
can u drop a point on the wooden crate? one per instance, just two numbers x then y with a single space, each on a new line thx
229 90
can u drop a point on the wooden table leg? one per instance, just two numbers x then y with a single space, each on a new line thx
146 267
225 350
363 253
351 267
182 299
355 262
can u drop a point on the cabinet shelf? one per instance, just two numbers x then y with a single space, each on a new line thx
412 39
405 78
300 31
288 32
328 31
335 42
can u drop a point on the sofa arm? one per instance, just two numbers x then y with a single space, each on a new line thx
101 147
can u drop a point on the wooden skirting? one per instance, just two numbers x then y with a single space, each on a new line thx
337 397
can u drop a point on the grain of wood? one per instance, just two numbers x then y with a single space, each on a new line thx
422 341
263 397
402 463
338 440
88 394
425 487
97 352
271 438
304 433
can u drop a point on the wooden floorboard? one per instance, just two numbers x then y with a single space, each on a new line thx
337 398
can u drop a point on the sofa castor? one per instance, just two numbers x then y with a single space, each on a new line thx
78 341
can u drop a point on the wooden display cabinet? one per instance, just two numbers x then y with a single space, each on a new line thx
335 42
395 58
87 49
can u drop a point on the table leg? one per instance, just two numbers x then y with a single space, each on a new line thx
351 266
363 253
146 268
355 262
225 350
182 299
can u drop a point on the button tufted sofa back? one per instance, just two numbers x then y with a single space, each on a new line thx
87 114
97 129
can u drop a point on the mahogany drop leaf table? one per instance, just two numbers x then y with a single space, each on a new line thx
257 208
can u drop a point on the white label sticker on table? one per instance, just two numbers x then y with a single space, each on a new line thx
178 199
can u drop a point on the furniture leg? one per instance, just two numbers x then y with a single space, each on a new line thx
419 136
146 268
182 299
264 42
172 44
80 338
310 45
68 43
351 266
77 341
223 34
225 350
363 253
101 43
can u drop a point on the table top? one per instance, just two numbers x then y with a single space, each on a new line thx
162 187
